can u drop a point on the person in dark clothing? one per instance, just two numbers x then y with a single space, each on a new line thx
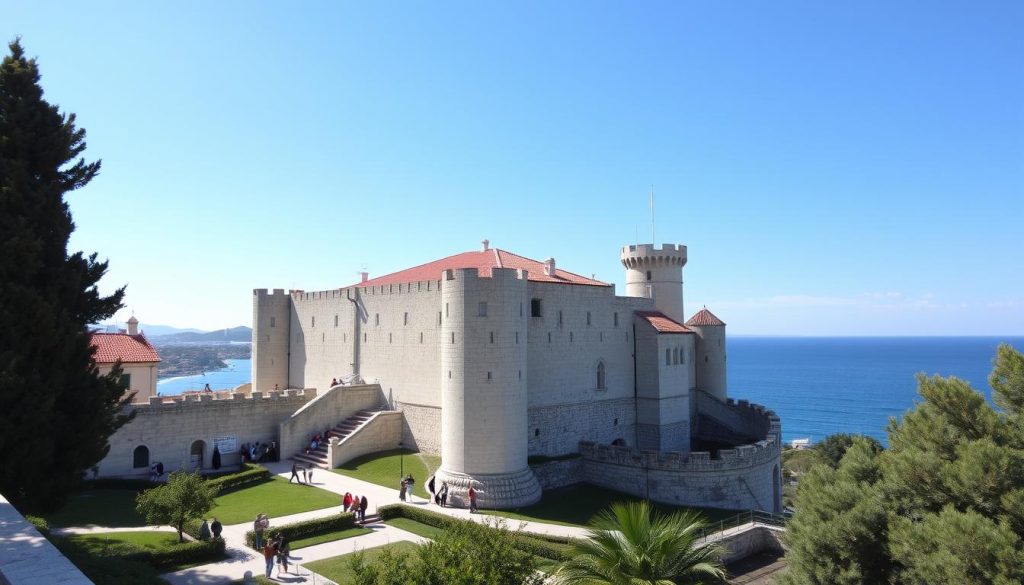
295 474
216 528
430 484
443 494
362 508
216 457
159 469
472 500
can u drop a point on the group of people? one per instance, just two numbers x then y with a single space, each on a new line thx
307 474
210 530
405 487
258 452
441 495
315 440
276 549
355 504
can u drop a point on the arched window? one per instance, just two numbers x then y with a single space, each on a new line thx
140 457
600 376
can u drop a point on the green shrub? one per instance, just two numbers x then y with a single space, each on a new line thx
544 545
250 474
307 528
40 523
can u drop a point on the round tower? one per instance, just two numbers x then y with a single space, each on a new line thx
271 334
658 274
710 350
483 388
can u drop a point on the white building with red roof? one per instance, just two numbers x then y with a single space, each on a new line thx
137 355
499 362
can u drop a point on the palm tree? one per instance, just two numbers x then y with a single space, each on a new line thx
626 546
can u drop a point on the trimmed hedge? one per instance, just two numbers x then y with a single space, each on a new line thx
250 474
307 528
40 523
544 545
180 554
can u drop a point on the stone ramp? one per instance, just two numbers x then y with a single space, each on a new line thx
343 430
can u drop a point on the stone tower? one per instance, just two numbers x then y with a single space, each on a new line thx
658 274
271 334
710 350
483 388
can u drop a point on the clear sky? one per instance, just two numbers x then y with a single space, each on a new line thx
850 168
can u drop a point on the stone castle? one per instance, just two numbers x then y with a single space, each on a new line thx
522 375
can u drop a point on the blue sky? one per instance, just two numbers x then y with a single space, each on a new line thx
834 168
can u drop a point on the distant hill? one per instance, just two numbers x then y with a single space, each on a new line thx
233 334
148 329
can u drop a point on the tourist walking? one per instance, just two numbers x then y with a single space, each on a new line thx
295 473
216 528
355 507
346 502
472 500
363 504
269 555
409 484
257 530
204 531
282 554
401 490
443 493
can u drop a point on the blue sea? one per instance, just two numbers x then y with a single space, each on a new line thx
817 385
825 385
237 372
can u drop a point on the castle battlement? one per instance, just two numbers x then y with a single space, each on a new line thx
263 292
636 256
401 287
197 400
764 451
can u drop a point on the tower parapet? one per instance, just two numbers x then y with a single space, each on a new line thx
656 273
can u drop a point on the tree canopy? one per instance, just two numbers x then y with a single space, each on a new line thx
943 505
58 411
185 496
627 544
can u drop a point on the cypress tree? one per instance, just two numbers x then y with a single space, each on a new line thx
57 411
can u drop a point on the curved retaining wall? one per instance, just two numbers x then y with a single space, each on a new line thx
745 478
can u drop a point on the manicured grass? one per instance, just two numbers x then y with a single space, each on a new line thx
275 498
385 468
577 506
114 508
417 528
104 542
337 568
328 537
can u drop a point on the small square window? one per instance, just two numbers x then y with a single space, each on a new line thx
588 318
535 308
405 318
615 319
312 322
481 309
488 376
335 320
376 318
273 322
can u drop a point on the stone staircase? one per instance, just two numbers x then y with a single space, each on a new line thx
342 430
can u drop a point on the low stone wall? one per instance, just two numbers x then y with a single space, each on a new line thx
27 558
169 426
557 474
325 411
381 433
422 427
750 539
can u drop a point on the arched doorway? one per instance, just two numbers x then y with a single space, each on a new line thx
140 457
776 486
196 455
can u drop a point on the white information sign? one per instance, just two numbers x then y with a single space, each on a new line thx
226 444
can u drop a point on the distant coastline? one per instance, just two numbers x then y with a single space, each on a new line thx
189 359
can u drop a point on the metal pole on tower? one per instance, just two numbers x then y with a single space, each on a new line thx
654 241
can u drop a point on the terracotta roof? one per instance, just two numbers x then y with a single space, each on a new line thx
705 318
111 347
662 323
483 261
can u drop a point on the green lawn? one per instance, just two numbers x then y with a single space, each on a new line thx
577 506
328 537
107 543
275 498
417 528
337 568
385 469
114 508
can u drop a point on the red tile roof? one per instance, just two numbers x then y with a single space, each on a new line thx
705 318
111 347
662 323
483 261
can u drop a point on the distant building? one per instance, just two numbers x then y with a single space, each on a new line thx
137 355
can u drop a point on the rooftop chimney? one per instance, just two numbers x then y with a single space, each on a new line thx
133 325
549 267
364 276
486 244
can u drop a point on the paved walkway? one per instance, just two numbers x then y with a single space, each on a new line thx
245 559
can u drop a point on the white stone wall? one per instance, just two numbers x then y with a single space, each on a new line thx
711 360
271 318
422 427
557 429
170 426
380 433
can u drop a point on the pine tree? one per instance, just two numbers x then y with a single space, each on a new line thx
58 412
